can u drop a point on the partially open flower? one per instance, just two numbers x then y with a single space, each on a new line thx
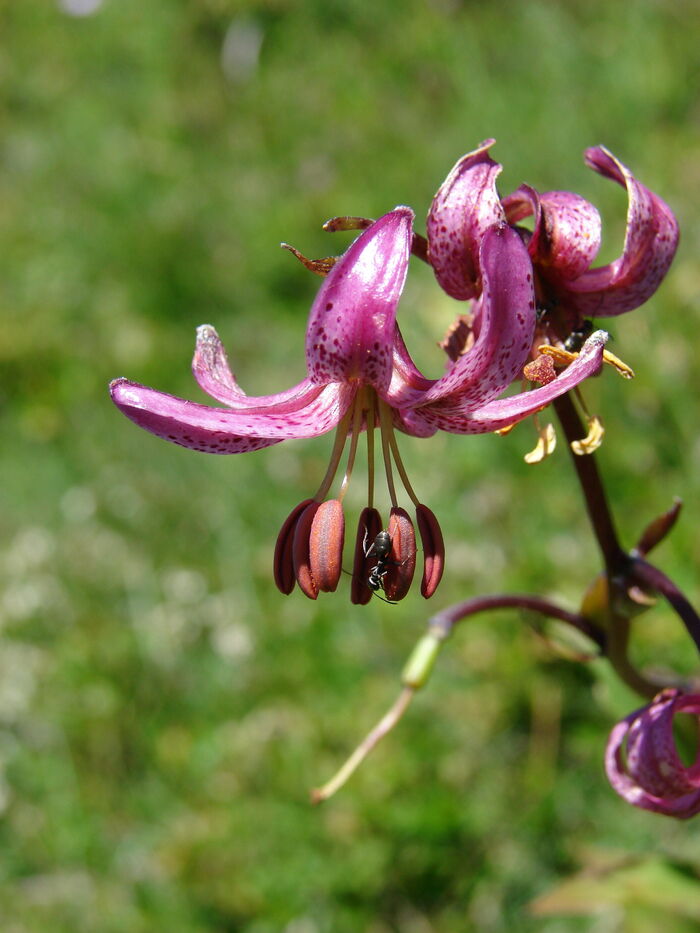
642 761
562 245
360 377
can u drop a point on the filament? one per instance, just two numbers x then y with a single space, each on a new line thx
356 428
341 435
385 427
402 470
371 417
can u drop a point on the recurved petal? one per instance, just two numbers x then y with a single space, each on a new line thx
650 244
460 418
350 335
211 370
465 206
226 431
642 763
566 235
506 329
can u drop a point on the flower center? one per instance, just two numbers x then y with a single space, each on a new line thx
309 546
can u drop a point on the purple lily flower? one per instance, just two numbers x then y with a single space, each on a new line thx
642 761
562 245
360 376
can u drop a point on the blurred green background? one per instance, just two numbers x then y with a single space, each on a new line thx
163 709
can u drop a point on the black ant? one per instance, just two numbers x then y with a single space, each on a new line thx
381 549
576 338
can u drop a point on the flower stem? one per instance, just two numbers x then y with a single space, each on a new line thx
385 725
445 621
616 560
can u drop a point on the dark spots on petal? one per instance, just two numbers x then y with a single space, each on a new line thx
329 306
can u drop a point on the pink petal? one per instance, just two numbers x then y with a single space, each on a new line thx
566 236
211 370
226 431
638 774
506 330
351 326
464 208
651 239
460 418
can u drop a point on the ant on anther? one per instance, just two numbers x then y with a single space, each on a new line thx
381 549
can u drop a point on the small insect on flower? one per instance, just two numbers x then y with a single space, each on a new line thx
381 549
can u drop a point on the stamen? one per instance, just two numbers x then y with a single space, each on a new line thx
358 408
592 441
371 421
402 470
388 434
341 435
622 368
385 427
546 443
564 357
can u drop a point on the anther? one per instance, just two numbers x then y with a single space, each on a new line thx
402 558
283 561
369 526
593 439
433 550
326 545
301 551
546 445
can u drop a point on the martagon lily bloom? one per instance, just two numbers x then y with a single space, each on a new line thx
642 760
360 376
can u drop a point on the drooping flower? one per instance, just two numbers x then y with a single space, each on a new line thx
361 376
562 245
642 761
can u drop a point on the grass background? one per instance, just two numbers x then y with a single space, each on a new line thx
163 710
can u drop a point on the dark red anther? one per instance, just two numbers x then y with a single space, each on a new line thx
402 560
283 561
326 545
301 552
369 526
433 550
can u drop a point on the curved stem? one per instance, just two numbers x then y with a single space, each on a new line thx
651 577
616 653
445 621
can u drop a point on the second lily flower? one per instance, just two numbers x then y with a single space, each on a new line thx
360 376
